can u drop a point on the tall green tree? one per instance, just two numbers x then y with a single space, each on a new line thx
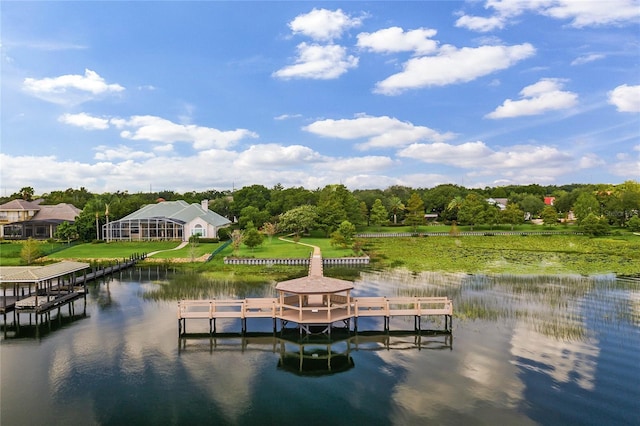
66 231
255 195
299 220
252 238
549 215
472 209
512 215
343 236
30 251
586 204
252 214
530 203
335 205
415 211
594 225
379 213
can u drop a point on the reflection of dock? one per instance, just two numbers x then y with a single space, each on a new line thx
316 355
312 302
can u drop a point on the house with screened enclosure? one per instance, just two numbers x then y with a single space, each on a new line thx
166 220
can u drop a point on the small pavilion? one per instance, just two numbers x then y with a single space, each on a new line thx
315 300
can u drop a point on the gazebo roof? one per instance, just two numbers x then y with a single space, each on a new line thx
314 285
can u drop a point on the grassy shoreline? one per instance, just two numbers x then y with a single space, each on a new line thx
533 254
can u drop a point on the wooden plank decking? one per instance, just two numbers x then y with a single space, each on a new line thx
314 314
312 301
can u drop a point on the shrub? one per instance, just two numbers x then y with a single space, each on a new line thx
224 234
210 240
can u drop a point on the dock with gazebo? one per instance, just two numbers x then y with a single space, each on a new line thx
314 303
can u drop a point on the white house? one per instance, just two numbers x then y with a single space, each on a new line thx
167 220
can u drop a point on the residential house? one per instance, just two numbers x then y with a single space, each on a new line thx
20 219
500 203
166 220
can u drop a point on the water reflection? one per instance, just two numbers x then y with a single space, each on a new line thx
516 360
315 355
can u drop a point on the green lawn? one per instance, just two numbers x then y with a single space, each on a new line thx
10 251
188 252
277 249
113 250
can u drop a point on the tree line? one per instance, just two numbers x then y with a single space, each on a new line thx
298 210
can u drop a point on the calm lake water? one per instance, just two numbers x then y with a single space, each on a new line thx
523 350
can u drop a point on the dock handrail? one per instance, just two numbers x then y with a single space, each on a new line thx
355 307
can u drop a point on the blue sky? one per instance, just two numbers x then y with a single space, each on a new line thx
214 95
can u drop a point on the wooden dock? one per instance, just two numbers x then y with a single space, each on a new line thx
314 314
314 302
37 289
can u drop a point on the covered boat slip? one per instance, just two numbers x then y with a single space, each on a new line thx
38 288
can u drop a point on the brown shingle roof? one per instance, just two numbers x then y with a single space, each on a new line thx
60 211
20 205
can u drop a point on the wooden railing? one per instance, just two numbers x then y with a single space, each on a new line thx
355 307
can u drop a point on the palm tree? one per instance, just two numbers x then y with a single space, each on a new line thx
395 204
455 203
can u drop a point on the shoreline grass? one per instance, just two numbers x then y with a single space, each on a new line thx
514 254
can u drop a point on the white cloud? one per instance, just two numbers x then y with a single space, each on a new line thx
587 58
323 24
580 13
395 39
357 164
595 13
468 154
479 157
85 121
480 24
380 132
588 161
625 98
107 153
287 116
453 65
274 155
70 89
538 98
627 166
318 62
156 129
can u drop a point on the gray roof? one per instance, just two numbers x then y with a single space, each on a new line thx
20 205
62 211
32 274
178 210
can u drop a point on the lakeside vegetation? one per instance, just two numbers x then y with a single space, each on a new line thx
331 217
513 254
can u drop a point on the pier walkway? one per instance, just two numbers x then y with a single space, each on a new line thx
314 302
